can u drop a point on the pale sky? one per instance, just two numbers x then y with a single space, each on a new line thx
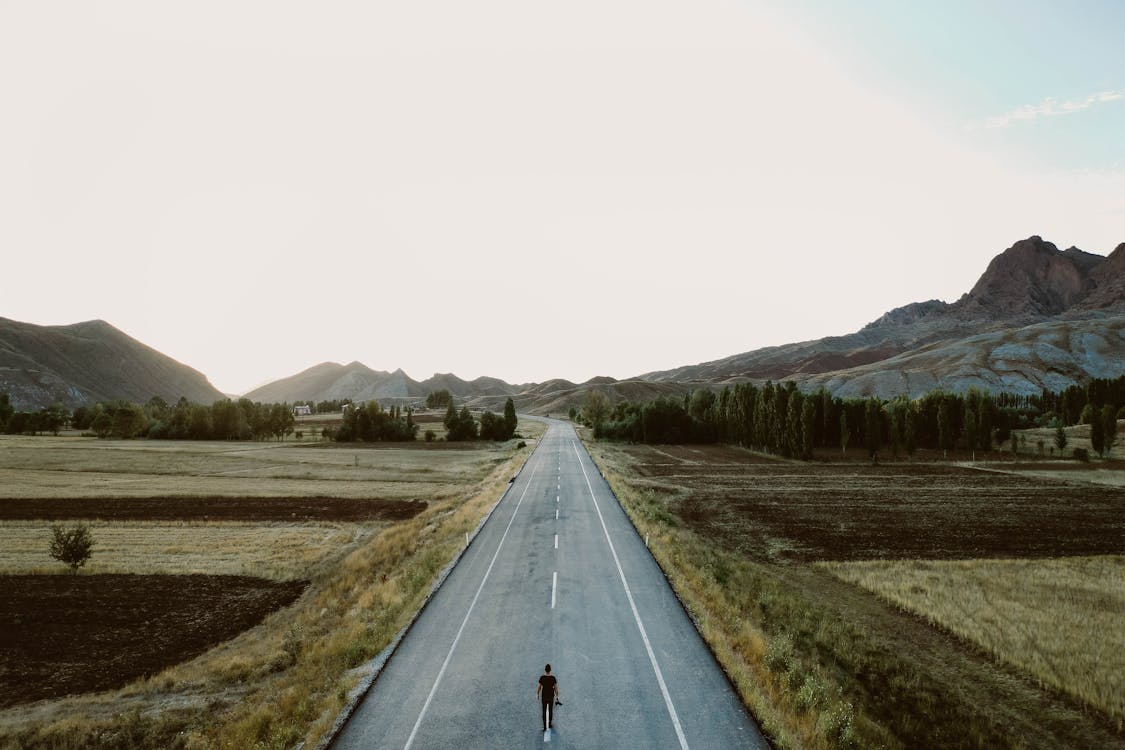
532 190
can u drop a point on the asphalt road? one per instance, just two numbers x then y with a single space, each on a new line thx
559 575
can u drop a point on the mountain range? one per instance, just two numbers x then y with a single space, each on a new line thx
1038 317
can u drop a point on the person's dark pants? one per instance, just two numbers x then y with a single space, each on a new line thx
549 712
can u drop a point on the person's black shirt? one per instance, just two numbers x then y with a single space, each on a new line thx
547 682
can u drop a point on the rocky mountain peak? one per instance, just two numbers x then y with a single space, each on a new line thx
1032 278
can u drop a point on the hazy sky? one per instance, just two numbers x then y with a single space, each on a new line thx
532 190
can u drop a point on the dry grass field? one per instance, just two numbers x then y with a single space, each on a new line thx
827 664
371 526
1059 620
276 551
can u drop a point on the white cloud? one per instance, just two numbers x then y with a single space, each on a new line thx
1049 107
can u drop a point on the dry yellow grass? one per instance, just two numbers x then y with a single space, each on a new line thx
86 467
277 551
1061 620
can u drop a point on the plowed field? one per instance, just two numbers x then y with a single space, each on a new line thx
63 634
803 511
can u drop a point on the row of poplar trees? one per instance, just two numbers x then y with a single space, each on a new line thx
780 419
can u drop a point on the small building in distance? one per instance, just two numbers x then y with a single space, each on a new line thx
302 410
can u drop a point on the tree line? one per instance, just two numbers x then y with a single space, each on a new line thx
781 419
460 425
243 419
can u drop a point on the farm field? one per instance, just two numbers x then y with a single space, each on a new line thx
1058 620
233 587
755 545
144 623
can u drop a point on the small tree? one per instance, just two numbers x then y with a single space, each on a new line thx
1097 434
71 546
1060 438
845 432
510 418
1109 428
596 409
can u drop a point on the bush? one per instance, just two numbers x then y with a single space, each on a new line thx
813 693
429 435
779 654
1081 454
73 546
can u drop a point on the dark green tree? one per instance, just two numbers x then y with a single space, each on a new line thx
438 399
6 410
845 431
1060 438
970 428
54 418
1097 433
872 426
72 546
1109 428
511 421
944 426
493 427
808 427
596 408
909 430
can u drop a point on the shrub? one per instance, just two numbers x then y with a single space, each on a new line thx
71 546
779 654
813 693
429 435
1081 454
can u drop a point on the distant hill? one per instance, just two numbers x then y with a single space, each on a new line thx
330 381
88 362
1037 317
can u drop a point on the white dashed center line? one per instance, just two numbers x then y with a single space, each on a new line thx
554 587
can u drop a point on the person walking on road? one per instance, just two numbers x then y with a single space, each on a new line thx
548 694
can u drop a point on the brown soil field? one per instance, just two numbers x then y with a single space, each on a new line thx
806 511
266 509
63 634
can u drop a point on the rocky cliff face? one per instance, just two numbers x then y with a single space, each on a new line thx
1109 283
1031 279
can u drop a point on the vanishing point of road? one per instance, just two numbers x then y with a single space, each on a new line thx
558 575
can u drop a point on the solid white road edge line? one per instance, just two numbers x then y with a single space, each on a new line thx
636 615
460 630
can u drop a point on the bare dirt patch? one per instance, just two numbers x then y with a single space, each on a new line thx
63 634
799 511
267 509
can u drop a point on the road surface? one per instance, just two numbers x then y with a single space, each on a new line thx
558 575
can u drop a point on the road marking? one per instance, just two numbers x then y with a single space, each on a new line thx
557 498
546 735
636 615
473 603
554 587
556 514
556 541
